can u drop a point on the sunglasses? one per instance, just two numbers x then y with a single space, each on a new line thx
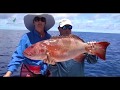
36 19
67 27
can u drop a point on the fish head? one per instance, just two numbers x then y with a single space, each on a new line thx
36 52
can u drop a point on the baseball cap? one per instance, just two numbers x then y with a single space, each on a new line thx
65 22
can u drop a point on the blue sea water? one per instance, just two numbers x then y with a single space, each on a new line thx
9 40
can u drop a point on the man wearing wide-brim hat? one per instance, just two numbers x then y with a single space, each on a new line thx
38 25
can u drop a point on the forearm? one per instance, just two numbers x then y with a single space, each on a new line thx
13 66
15 61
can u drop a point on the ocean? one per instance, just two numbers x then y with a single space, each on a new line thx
9 40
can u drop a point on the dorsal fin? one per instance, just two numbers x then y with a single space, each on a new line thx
70 36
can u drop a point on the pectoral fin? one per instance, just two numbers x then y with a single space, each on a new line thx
49 60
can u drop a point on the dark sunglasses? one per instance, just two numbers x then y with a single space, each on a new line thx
36 19
67 27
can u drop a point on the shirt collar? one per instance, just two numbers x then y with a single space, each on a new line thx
37 34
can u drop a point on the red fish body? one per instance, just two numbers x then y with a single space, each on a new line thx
63 48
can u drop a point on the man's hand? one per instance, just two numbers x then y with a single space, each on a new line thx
48 61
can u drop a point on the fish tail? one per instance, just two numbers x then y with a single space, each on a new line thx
100 49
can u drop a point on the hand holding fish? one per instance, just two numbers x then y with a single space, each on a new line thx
52 62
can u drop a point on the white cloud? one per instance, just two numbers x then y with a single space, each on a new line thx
64 15
95 21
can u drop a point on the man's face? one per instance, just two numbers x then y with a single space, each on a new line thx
39 23
65 30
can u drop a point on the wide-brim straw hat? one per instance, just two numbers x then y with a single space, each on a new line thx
28 21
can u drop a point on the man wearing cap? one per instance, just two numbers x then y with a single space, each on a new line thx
73 67
38 26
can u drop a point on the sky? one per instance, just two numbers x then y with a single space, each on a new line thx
82 22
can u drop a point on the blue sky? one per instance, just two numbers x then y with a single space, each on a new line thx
82 22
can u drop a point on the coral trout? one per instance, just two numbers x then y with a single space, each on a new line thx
63 48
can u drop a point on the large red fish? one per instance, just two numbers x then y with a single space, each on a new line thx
63 48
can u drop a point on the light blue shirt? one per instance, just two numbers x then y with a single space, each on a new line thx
18 58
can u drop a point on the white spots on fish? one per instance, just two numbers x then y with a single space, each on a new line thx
52 40
49 42
61 42
46 42
47 53
42 44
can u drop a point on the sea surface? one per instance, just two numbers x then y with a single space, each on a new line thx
9 40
